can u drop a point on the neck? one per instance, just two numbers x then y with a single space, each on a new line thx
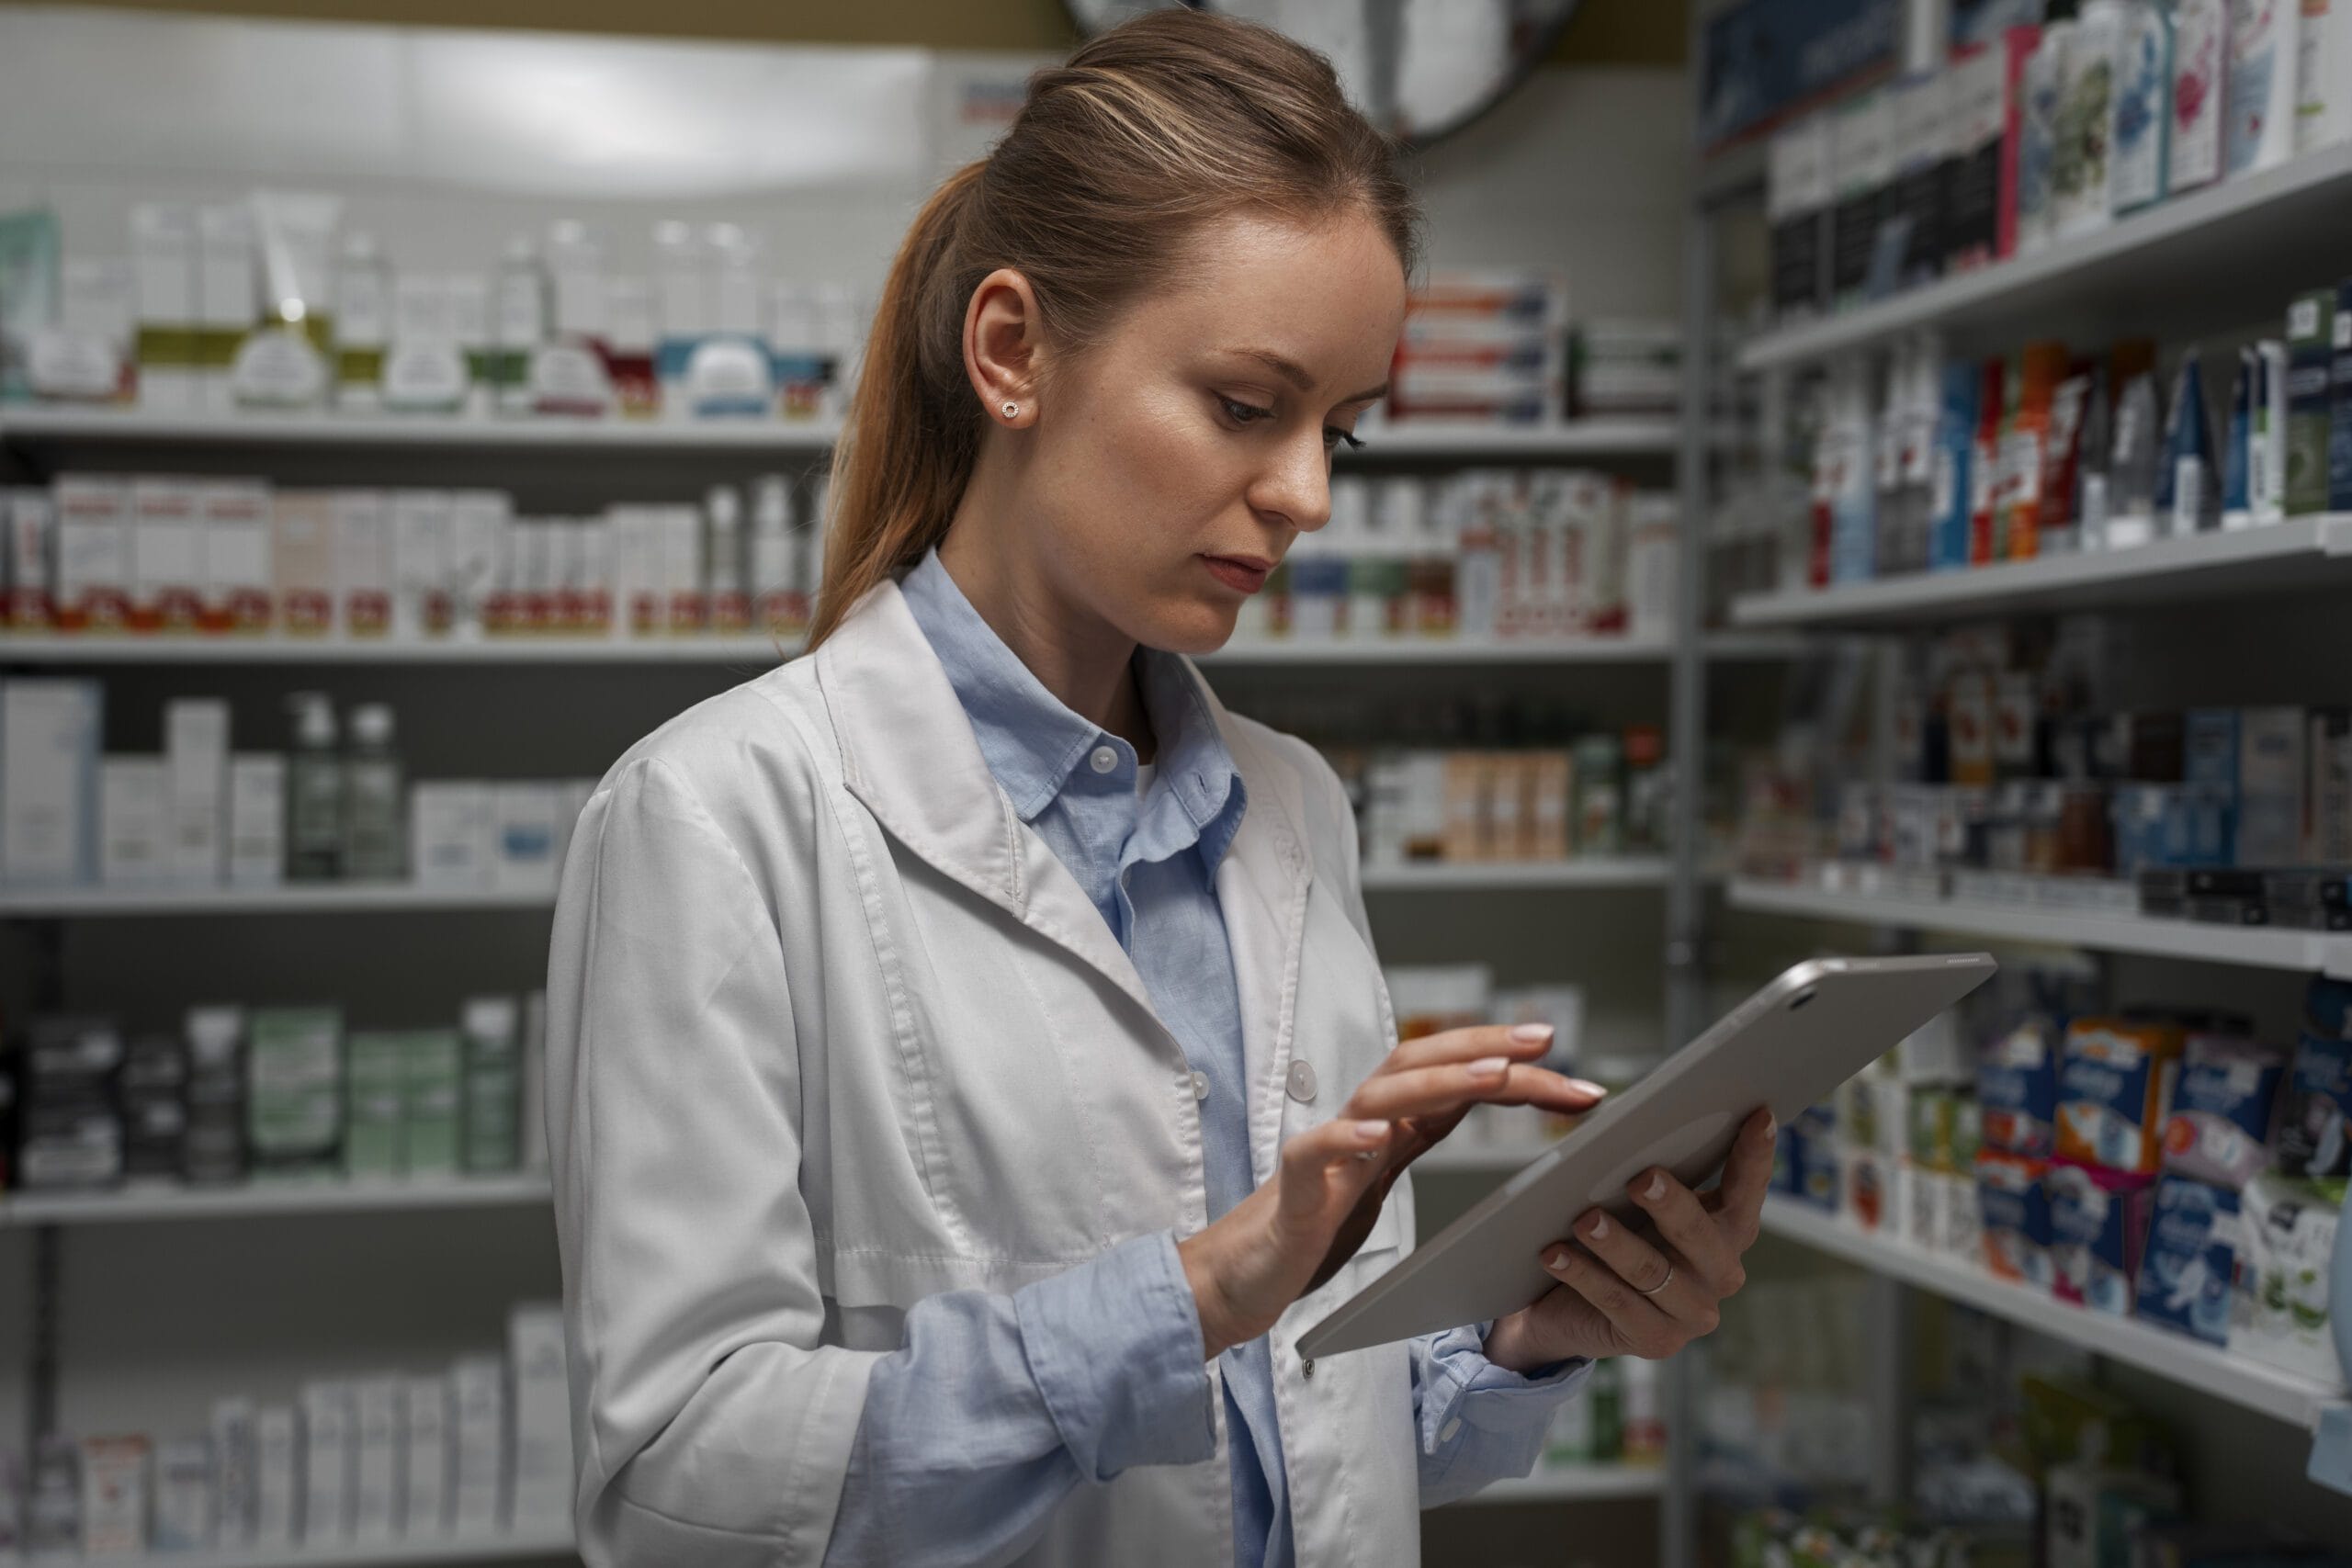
1087 663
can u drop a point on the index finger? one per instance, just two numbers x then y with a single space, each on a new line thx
1748 1174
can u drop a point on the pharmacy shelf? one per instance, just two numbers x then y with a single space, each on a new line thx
1247 651
1594 871
2300 553
454 1549
2241 246
40 426
2282 1395
1569 1483
1571 438
322 898
2255 947
134 1205
1477 1160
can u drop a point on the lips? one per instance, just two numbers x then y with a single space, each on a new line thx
1243 574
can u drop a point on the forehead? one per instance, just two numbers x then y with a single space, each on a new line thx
1327 295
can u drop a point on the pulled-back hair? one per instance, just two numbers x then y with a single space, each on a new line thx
1118 155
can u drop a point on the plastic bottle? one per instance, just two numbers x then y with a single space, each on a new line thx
1645 1421
731 603
373 847
779 604
363 323
313 793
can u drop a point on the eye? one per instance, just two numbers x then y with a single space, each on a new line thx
1241 412
1333 436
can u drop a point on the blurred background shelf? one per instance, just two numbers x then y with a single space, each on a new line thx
1595 870
1573 1485
321 899
134 1206
475 1549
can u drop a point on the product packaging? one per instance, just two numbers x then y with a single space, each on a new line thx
184 1492
2041 135
302 561
363 323
27 557
196 756
524 829
2310 336
91 568
134 836
363 556
424 1467
2114 1088
283 362
2324 74
294 1109
2015 1205
53 1505
452 837
1797 208
1861 160
1981 166
377 1421
2098 1220
2218 1129
2190 1258
2279 1314
2189 492
479 1452
2201 69
2093 1510
543 1473
2266 468
2237 505
425 369
163 260
167 555
2260 103
114 1496
256 820
2139 129
1921 117
233 1460
2315 1123
2272 772
493 1083
2339 398
2081 184
423 528
228 298
2017 1087
234 588
327 1462
48 781
214 1144
431 1110
277 1476
376 1070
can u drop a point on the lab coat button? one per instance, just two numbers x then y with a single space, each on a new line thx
1302 1082
1199 1086
1307 1367
1103 760
1445 1433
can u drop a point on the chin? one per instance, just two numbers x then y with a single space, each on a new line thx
1189 626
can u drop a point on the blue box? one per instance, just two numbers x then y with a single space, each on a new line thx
2017 1089
2220 1127
2191 1259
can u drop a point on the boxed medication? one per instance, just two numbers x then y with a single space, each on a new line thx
278 1475
453 840
256 820
431 1102
163 263
492 1083
2201 57
236 520
2279 1314
2017 1089
424 535
228 298
479 1452
376 1445
28 559
2015 1205
2098 1220
196 755
183 1520
114 1496
133 837
326 1462
363 562
2114 1088
167 555
233 1465
92 573
2316 1124
2219 1128
525 833
302 561
2190 1259
1797 208
294 1105
425 1465
376 1071
48 781
543 1473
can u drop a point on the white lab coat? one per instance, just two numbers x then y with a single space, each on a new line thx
831 1030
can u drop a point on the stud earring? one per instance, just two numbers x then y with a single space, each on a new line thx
1012 411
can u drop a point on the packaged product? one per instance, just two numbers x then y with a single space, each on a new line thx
2016 1208
2098 1220
2315 1128
2200 54
2190 1259
2094 1509
2219 1129
2017 1089
2083 164
2260 99
2115 1083
2280 1313
2139 129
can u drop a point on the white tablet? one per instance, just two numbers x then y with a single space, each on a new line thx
1785 1048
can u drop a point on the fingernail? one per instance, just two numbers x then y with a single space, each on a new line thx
1372 1132
1657 1189
1489 1066
1771 1125
1586 1086
1557 1259
1600 1227
1531 1033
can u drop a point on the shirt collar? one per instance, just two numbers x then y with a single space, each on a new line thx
1030 740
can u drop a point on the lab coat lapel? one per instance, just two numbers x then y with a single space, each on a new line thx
909 755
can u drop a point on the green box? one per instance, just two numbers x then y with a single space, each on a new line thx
294 1087
493 1087
429 1100
375 1106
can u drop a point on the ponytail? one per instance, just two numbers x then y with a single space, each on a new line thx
908 447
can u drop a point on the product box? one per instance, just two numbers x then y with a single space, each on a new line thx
295 1088
2187 1271
543 1474
2311 338
1982 132
2315 1123
183 1520
377 1072
2272 772
1920 115
167 555
2036 132
2280 1313
363 558
685 587
114 1496
431 1090
377 1440
302 561
27 560
2201 63
2017 1089
479 1452
233 1463
2218 1129
2115 1082
48 781
92 573
423 537
278 1475
256 820
234 518
327 1457
133 837
478 520
2324 74
196 756
1861 162
524 817
2092 1513
228 298
493 1083
1866 1189
1796 202
2098 1220
2015 1206
2339 398
452 837
424 1466
162 264
2139 119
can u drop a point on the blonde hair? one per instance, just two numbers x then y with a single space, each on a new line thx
1162 124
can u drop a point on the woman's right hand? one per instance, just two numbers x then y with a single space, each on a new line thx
1270 1247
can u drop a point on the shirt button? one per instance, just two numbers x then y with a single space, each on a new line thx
1302 1082
1103 760
1445 1433
1199 1086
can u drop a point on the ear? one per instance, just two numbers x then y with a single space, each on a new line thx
1004 348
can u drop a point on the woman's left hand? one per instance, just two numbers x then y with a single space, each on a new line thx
1623 1292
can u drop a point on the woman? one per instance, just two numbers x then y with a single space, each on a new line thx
970 1071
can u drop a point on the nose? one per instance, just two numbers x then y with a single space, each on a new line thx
1296 483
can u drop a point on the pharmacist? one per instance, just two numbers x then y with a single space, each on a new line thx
970 1071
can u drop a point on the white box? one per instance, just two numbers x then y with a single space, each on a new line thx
424 1469
232 1471
235 519
114 1496
524 817
451 841
683 604
167 559
478 1414
183 1495
542 1481
363 562
477 522
133 837
163 263
92 570
2324 75
636 571
256 820
195 754
377 1438
228 297
48 781
278 1475
326 1462
30 569
424 524
302 561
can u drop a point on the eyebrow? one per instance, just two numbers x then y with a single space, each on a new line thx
1289 370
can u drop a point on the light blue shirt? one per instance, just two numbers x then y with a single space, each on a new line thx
997 1406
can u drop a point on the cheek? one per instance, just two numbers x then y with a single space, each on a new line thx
1139 484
